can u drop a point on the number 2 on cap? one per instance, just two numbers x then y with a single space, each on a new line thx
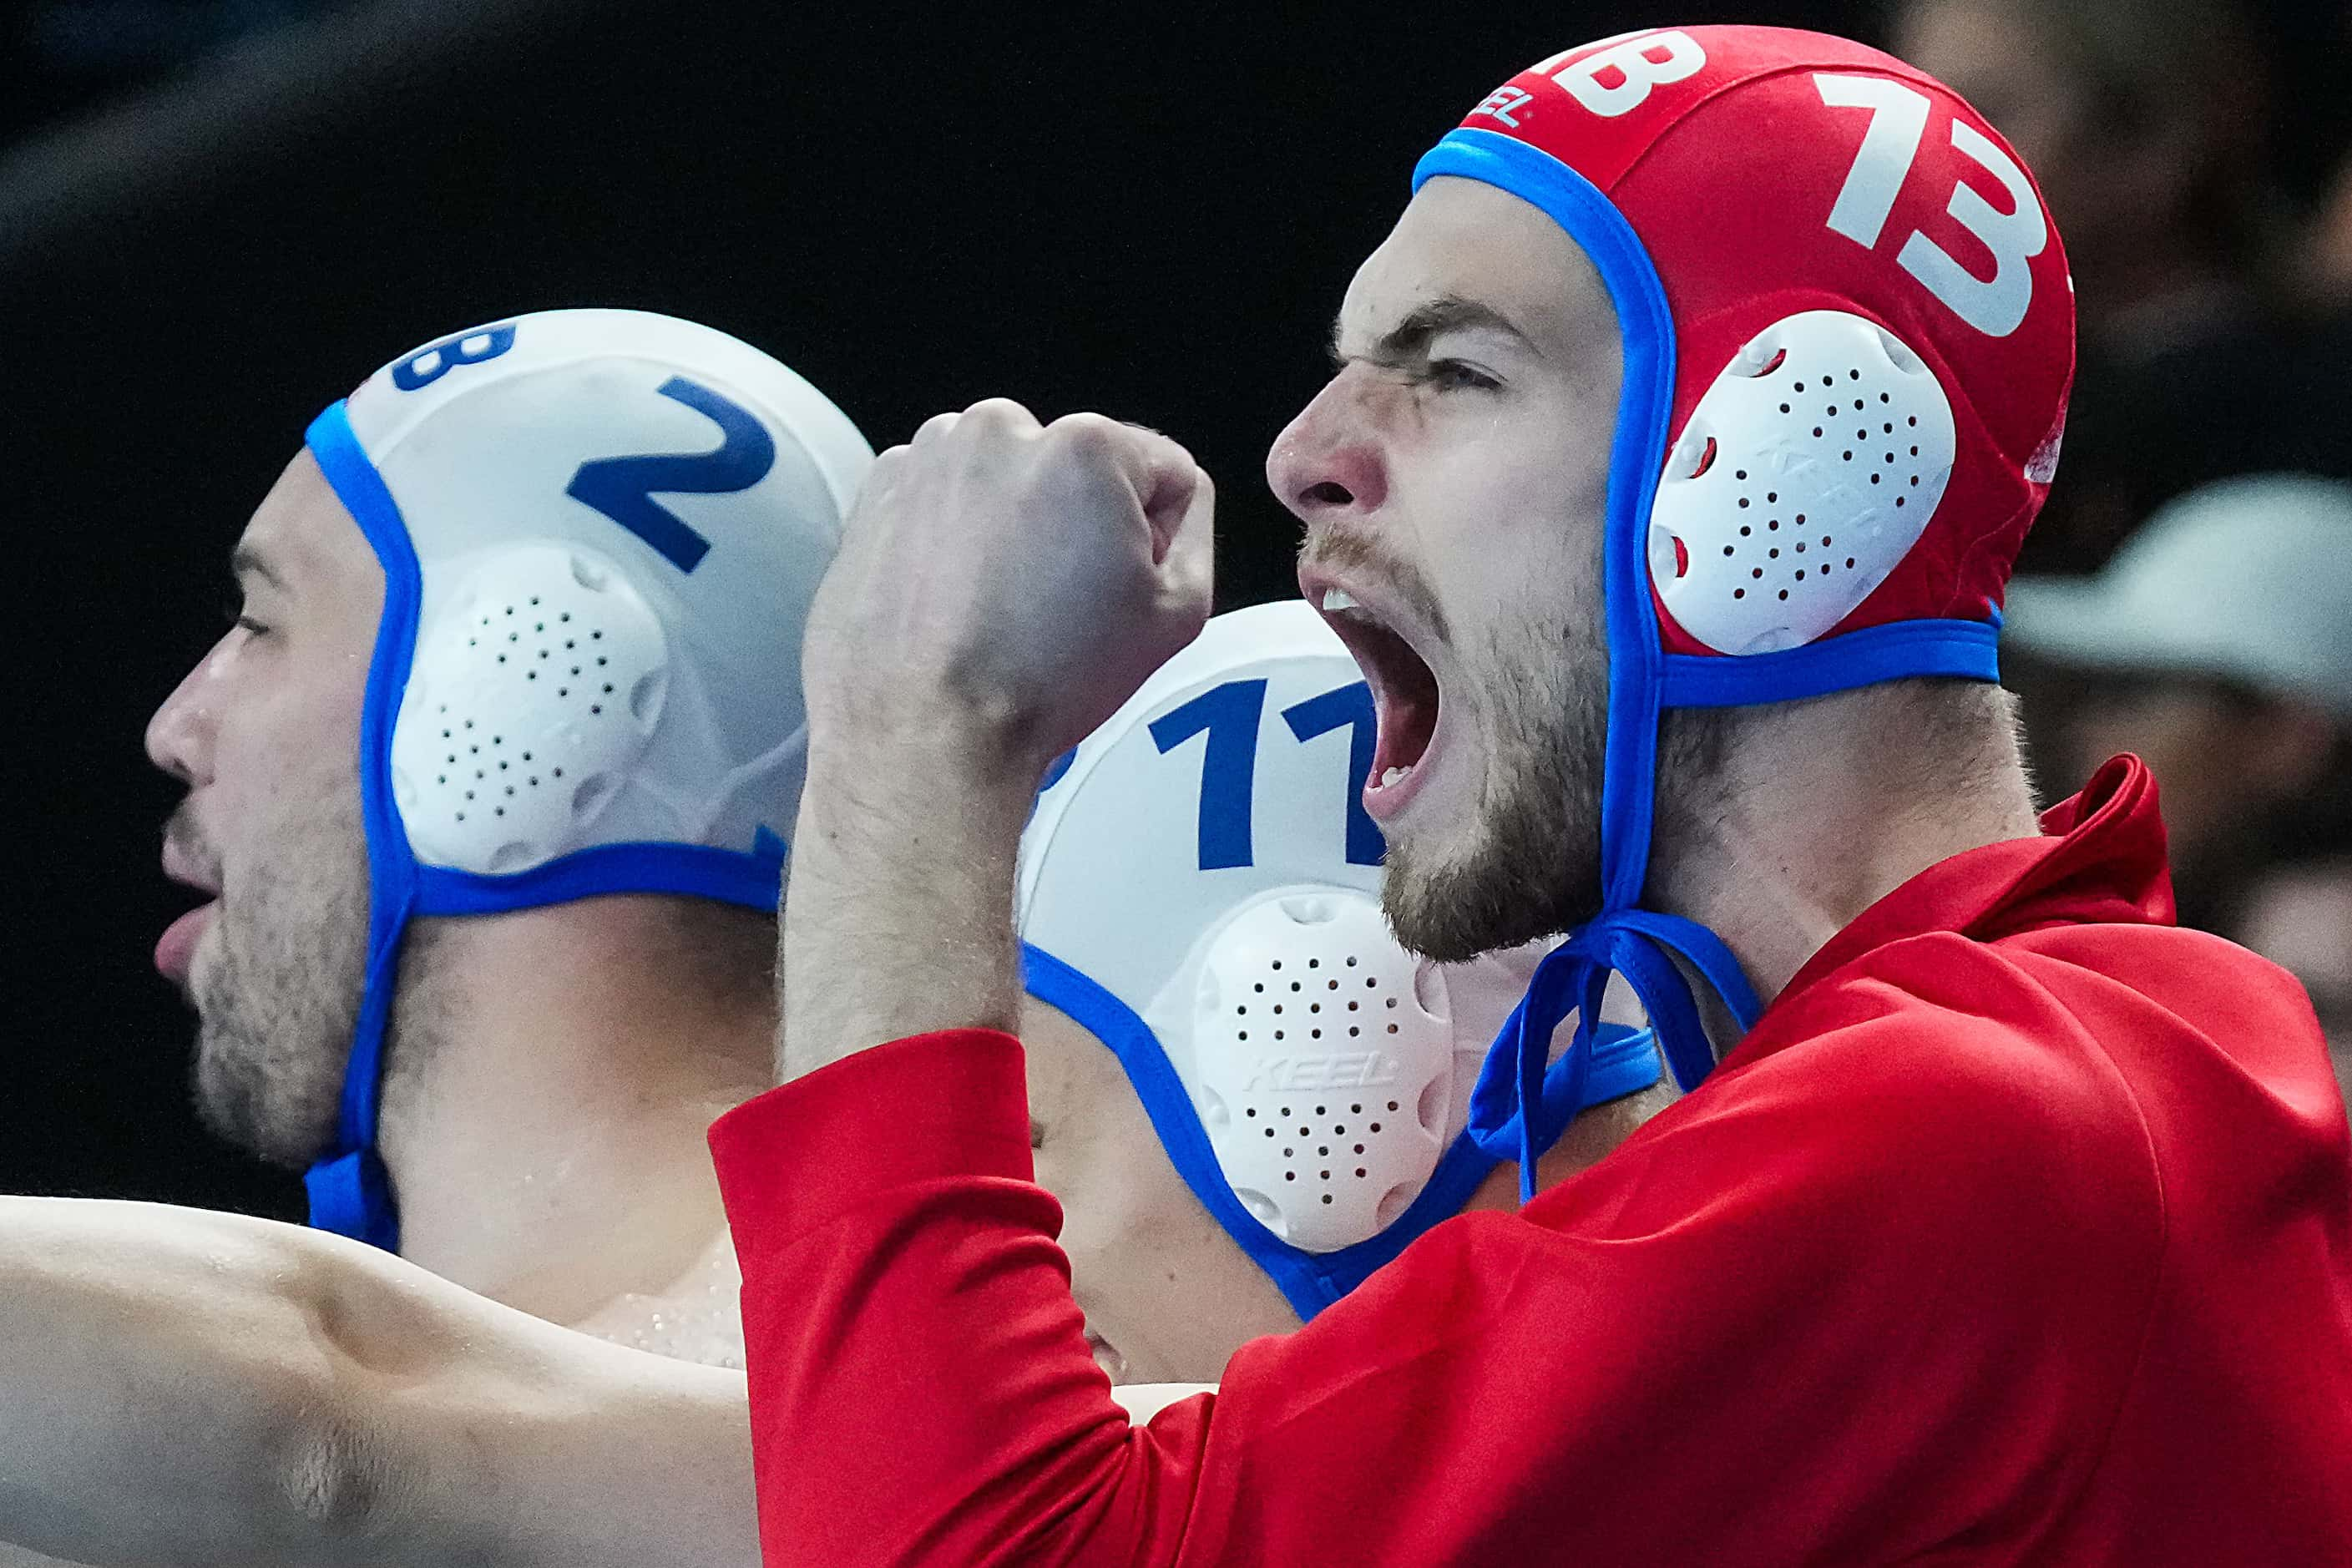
623 489
1898 118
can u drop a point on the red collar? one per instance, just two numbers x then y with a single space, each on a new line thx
2100 859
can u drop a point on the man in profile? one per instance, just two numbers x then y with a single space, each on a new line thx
487 789
346 1397
1684 431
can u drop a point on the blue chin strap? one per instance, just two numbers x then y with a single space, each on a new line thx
1520 1107
1620 1061
350 1190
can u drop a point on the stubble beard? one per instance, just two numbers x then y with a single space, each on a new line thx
1529 866
278 1006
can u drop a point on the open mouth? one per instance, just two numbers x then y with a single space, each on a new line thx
175 948
1404 696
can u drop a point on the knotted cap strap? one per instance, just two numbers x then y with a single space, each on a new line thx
1521 1106
1865 247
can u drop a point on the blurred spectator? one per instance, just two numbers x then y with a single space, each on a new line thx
2301 916
2327 264
2330 261
2146 123
2217 646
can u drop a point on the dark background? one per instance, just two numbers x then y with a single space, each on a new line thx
216 217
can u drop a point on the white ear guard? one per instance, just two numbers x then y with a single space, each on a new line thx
600 533
531 699
1803 476
1195 892
1322 1064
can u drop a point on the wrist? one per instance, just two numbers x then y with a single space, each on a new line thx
899 910
952 754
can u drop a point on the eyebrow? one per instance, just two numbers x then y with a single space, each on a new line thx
245 560
1409 339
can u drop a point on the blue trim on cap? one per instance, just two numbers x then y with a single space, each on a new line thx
1622 1060
1573 977
350 1189
1521 1104
351 1192
1636 673
1309 1282
1636 454
754 881
1968 649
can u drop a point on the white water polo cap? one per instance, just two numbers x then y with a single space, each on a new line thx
1200 889
600 533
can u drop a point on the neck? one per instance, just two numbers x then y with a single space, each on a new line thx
545 1108
1818 814
1826 806
1596 1131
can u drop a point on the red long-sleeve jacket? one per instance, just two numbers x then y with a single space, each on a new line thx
2020 1230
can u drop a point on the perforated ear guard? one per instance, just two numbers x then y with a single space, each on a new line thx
530 700
1268 1194
600 531
1308 1077
1804 475
1321 1065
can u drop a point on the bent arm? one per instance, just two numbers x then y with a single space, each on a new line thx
179 1388
1665 1361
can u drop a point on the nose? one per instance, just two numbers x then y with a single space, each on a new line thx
180 735
1328 462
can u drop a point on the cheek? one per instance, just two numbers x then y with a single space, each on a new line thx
1506 516
1106 1222
283 771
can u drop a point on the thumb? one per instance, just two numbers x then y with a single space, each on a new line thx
1189 558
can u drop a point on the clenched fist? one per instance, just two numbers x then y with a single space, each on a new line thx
1004 586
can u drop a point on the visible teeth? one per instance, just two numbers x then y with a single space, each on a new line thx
1335 599
1391 776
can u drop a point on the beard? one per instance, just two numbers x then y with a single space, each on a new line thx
1529 864
277 1007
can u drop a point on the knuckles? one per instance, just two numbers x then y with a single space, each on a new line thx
1088 435
997 415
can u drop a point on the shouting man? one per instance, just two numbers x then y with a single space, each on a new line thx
1684 431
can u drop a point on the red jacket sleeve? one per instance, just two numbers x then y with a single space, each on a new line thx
1775 1329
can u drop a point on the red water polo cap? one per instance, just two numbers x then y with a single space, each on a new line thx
1848 335
1768 176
